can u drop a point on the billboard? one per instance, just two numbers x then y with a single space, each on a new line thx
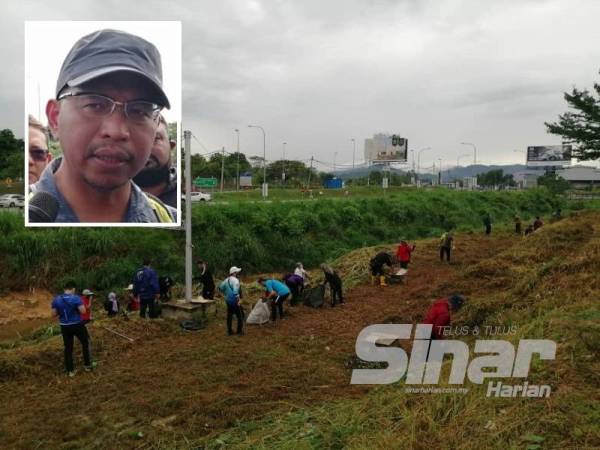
384 148
549 155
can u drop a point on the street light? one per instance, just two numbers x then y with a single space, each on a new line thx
353 152
264 186
283 166
474 151
237 180
419 159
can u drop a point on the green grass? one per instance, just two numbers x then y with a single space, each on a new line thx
259 237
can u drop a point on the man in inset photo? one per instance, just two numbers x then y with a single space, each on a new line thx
105 115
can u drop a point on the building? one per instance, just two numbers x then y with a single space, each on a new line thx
580 176
526 180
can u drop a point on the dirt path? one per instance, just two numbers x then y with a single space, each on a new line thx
207 380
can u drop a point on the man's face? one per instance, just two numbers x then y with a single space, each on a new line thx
38 154
157 168
105 152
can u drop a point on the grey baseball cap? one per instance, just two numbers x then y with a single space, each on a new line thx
108 51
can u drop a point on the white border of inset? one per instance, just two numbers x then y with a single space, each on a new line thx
46 46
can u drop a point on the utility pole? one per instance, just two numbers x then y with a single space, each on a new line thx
237 179
283 166
310 172
222 168
187 139
353 152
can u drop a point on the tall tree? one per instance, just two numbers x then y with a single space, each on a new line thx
581 127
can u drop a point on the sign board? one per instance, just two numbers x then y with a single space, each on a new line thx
205 182
383 148
549 155
246 181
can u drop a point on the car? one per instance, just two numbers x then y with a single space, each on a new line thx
199 197
12 201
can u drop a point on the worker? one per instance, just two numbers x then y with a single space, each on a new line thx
86 298
133 302
295 283
537 223
404 252
487 223
518 224
529 229
278 293
439 314
299 270
379 260
446 245
207 280
335 284
232 291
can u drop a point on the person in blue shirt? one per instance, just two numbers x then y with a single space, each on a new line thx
145 286
278 292
67 307
232 291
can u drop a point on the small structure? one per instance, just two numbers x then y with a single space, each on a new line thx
182 310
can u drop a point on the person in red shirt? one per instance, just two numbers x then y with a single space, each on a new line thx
404 252
439 314
86 298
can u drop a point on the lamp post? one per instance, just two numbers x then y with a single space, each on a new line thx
419 159
283 165
353 152
474 151
264 186
237 179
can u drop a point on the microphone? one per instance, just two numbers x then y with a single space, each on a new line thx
43 207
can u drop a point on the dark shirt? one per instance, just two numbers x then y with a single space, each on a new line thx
382 258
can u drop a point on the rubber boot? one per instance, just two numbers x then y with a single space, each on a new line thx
382 281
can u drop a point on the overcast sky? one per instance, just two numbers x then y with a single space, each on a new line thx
316 73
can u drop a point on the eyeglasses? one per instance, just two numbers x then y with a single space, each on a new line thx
95 106
38 154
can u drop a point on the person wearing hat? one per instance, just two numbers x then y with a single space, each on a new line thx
232 291
133 302
86 299
439 314
105 115
299 271
68 307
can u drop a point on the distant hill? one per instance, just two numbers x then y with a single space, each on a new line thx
455 172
